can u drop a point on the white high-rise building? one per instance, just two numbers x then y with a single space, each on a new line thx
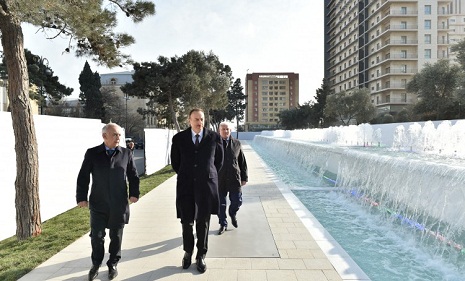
382 44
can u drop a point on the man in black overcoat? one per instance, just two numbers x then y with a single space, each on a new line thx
111 166
232 176
196 156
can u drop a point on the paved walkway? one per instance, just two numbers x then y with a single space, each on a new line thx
277 239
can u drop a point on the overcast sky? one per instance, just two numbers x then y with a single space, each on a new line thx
253 35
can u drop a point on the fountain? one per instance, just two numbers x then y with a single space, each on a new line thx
416 180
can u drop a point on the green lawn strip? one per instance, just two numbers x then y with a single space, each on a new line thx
17 258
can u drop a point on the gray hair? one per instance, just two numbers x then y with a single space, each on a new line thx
224 124
104 129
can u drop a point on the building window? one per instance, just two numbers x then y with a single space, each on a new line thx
403 25
403 54
403 82
403 10
427 9
427 24
113 81
403 39
427 53
427 38
388 98
403 68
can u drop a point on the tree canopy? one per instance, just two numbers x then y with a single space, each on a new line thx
347 106
436 86
90 95
196 79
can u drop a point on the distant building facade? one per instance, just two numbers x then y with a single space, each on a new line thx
3 96
5 103
380 45
267 95
114 81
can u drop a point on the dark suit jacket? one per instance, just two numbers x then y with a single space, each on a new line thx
197 169
234 168
109 192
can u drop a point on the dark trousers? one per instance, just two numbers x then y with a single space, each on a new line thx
97 240
236 203
202 227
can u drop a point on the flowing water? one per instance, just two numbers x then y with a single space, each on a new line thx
389 239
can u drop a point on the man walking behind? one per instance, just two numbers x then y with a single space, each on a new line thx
110 165
231 178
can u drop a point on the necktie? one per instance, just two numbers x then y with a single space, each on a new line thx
225 144
197 139
110 151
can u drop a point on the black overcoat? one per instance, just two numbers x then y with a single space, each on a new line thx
197 174
109 192
234 168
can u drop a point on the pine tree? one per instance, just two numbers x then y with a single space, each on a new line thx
90 95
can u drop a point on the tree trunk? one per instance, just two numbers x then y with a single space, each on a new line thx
173 113
237 126
28 221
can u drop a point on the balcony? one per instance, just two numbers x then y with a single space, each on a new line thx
397 101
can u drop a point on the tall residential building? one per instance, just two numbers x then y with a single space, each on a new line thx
382 44
267 95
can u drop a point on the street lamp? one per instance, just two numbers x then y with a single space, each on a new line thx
126 97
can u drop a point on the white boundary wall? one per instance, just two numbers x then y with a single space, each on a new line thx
157 149
62 144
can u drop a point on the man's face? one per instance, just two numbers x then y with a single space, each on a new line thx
225 132
111 136
196 121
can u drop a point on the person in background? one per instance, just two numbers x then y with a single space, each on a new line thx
110 166
131 145
231 178
196 156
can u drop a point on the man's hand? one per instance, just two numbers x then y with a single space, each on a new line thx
133 199
83 204
243 183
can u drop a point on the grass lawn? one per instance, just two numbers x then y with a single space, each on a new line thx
19 257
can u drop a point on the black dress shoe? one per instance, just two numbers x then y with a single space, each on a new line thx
186 260
201 265
93 272
112 272
223 228
234 221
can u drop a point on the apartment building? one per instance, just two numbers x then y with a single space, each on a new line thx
267 95
382 44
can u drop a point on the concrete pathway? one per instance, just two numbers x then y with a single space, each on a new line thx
277 239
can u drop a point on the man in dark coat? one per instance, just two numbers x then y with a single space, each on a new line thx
196 156
110 165
231 178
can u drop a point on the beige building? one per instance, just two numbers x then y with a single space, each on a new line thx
382 44
267 95
4 102
3 96
114 81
